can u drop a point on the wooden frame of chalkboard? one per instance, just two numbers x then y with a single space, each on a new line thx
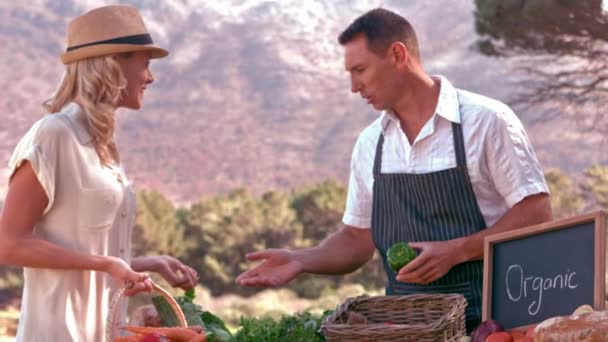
542 266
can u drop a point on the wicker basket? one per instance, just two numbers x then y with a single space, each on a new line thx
418 317
111 322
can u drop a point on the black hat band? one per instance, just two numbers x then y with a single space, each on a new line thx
138 39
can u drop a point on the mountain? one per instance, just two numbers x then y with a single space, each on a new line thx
254 92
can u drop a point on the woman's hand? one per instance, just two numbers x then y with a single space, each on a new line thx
133 281
171 269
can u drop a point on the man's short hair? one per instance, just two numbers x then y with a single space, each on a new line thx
382 28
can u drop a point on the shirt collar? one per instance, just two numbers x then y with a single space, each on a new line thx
447 105
78 120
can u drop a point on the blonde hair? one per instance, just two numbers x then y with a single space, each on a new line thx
98 83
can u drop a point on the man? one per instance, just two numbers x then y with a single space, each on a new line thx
441 169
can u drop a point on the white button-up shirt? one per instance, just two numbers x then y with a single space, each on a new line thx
91 209
501 162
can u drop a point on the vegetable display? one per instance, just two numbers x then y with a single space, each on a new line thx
195 316
585 324
302 327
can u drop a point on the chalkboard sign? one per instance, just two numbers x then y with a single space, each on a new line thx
542 271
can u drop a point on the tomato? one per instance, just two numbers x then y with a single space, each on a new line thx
501 336
524 339
530 331
517 334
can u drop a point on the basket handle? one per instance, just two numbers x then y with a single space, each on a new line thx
120 294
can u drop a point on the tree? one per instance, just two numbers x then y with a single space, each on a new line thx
597 184
11 277
555 27
319 208
157 230
560 47
566 199
228 227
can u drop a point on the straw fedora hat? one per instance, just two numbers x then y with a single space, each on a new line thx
107 30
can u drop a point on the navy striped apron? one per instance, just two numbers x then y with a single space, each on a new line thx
433 206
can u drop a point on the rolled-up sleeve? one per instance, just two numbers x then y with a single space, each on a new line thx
358 211
38 147
511 160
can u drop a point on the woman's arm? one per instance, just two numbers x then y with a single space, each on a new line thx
24 205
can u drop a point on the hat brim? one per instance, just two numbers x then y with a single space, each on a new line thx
108 49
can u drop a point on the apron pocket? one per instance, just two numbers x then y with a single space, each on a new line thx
406 288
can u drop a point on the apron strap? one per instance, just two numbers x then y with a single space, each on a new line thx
461 156
378 157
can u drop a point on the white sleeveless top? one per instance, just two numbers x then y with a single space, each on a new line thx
91 210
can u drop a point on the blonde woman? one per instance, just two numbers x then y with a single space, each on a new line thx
70 209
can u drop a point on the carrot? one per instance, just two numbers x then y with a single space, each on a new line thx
175 334
131 338
198 338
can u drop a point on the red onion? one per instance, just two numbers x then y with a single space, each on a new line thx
484 330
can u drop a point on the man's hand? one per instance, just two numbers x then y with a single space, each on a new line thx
438 257
434 261
172 270
278 268
342 252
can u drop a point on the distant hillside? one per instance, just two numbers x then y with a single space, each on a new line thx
254 93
